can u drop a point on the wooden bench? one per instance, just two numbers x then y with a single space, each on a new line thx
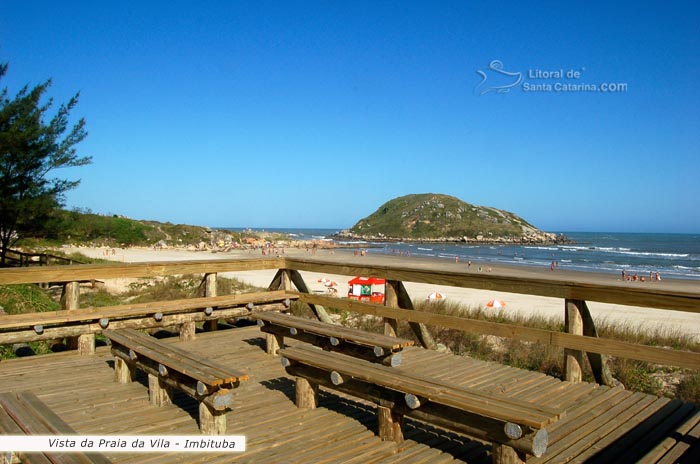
170 367
24 414
373 347
515 428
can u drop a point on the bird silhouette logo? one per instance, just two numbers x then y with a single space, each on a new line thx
500 81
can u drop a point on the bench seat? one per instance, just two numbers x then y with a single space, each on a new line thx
23 413
503 420
332 337
168 367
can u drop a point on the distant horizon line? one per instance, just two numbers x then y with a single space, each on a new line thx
544 230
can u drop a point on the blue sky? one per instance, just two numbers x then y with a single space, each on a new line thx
313 114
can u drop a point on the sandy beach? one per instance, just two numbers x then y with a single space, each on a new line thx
644 319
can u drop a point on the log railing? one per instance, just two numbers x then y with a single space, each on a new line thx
580 335
22 259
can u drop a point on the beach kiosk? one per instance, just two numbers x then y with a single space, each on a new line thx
367 289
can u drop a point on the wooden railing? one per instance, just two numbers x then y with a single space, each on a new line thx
579 338
22 259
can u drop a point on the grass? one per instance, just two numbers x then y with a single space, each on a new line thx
19 299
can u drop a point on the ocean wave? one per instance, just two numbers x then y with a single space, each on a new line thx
543 248
619 250
687 268
654 254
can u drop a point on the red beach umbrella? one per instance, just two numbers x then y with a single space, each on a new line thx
496 304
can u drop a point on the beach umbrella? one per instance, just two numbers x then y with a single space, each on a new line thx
330 283
322 280
496 304
436 296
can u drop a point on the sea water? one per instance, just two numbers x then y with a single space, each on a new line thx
671 255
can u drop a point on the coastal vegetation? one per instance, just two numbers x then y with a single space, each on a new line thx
83 227
437 217
32 149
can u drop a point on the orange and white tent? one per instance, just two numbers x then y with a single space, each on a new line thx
496 304
436 296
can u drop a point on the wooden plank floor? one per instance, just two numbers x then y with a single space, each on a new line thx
601 424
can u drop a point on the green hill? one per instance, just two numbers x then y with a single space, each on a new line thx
436 217
86 228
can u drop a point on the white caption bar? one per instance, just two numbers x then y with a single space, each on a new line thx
125 443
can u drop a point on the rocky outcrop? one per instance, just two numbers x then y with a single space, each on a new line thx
436 218
542 238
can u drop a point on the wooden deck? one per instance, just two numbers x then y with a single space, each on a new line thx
601 425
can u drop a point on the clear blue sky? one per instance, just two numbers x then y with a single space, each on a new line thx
312 114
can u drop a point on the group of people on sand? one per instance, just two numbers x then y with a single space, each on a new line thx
400 252
269 249
637 277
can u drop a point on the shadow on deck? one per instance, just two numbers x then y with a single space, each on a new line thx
601 424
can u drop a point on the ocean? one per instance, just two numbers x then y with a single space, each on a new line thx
671 255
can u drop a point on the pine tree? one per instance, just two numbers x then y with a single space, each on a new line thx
30 149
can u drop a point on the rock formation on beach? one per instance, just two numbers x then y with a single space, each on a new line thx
433 217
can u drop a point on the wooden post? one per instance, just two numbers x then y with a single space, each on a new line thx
419 329
273 342
158 392
318 310
390 424
286 283
306 393
211 422
210 290
573 359
598 362
504 454
391 300
124 372
281 281
70 299
187 331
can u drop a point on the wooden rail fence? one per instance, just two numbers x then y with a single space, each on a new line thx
579 339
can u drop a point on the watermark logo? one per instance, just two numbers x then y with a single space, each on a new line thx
498 74
495 79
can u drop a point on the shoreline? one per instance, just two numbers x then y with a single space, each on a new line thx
640 318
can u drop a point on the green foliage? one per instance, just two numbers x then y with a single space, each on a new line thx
76 227
26 298
689 388
95 299
85 227
178 287
432 216
636 375
30 148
